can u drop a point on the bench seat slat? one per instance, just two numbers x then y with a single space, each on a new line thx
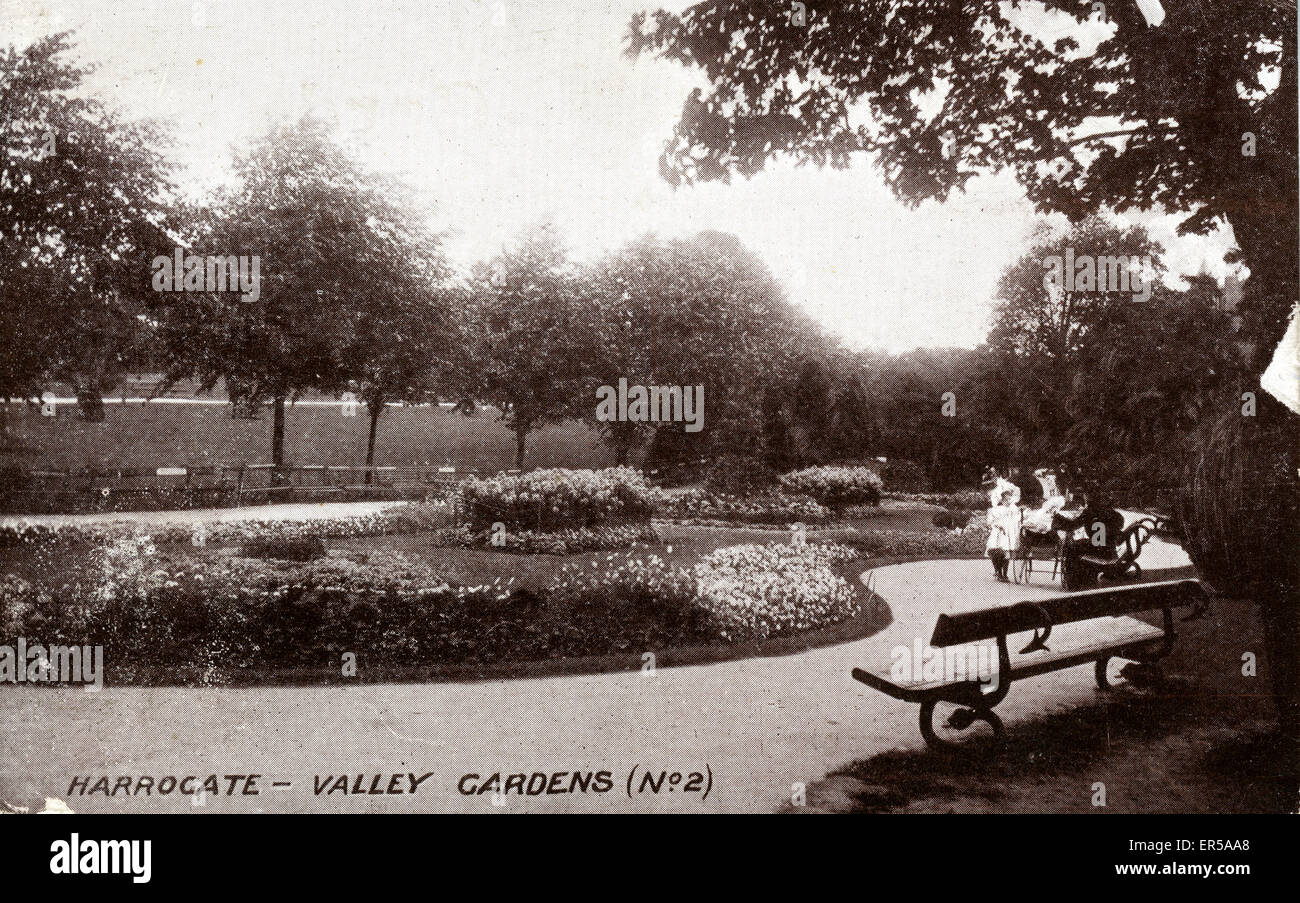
1069 645
967 627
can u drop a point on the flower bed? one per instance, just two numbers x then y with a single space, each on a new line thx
411 518
218 619
736 594
702 508
902 543
215 619
435 518
560 542
555 499
203 620
297 548
637 602
836 486
754 592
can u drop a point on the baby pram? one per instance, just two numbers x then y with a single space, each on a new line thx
1034 537
1036 544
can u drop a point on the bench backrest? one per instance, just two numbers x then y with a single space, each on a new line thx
987 623
1135 537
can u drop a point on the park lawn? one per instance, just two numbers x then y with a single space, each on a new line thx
180 435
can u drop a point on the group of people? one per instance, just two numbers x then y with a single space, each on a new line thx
1090 535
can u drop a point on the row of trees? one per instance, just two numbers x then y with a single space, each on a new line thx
357 296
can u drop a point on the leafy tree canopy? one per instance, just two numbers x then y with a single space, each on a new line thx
84 199
1197 115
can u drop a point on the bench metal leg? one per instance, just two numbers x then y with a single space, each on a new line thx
960 719
1099 672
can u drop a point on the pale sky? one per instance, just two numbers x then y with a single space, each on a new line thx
502 113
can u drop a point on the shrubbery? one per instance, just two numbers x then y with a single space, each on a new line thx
1031 491
738 475
951 520
905 476
967 500
836 486
904 543
556 499
285 548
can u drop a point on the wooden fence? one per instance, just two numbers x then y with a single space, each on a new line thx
258 480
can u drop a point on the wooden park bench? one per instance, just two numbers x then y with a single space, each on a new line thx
1120 563
1127 549
1092 626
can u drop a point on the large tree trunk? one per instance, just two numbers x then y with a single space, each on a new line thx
375 407
1264 212
90 403
1270 293
1264 215
622 439
1240 511
278 476
521 436
1281 620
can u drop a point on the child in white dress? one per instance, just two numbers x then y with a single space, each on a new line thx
1004 533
